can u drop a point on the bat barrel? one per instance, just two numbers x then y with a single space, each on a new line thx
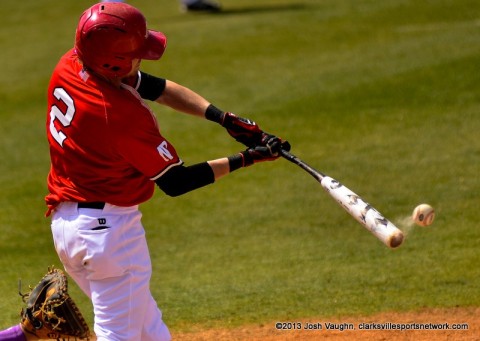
364 213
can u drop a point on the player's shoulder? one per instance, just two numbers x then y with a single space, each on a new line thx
67 70
68 59
128 113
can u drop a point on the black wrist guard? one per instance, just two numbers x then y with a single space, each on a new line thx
214 114
242 159
235 162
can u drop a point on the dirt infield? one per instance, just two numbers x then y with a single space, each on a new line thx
450 324
463 325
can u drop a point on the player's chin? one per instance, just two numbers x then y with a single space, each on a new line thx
135 67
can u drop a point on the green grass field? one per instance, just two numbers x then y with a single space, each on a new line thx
382 95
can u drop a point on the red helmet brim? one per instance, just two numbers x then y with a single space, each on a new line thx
154 47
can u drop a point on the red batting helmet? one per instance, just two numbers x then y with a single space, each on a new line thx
110 35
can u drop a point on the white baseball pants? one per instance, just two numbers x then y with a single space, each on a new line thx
106 254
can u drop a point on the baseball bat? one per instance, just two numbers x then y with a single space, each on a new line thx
363 212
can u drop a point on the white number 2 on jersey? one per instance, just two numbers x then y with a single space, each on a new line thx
64 118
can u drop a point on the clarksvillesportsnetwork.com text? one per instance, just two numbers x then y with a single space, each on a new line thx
370 326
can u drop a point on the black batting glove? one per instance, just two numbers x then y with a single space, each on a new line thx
257 154
274 143
268 150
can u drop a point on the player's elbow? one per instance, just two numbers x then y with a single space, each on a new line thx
172 191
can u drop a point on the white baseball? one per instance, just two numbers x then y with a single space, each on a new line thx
423 215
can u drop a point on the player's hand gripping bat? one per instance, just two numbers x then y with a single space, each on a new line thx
363 212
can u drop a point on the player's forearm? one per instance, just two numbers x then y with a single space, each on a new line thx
183 99
220 167
183 179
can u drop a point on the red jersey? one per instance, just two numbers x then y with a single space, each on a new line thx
105 143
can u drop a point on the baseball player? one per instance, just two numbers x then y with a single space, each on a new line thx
108 154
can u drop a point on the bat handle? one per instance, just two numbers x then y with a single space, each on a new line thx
286 155
302 164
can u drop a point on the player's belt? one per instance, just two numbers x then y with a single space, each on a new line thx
98 205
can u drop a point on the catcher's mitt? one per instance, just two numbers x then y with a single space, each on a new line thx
51 312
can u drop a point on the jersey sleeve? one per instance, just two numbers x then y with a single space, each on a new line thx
138 141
